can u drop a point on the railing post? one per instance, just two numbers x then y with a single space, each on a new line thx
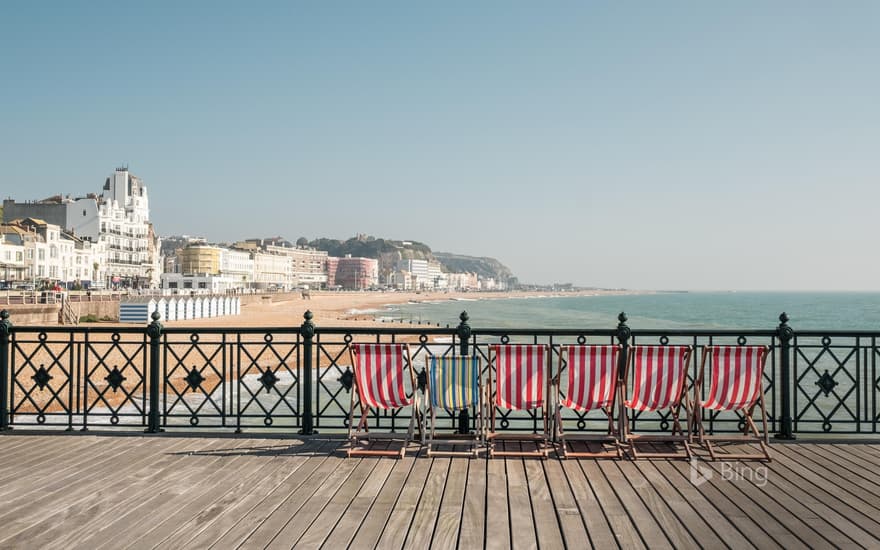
307 331
5 329
623 335
785 334
464 337
154 331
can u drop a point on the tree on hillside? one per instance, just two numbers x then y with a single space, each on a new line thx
302 241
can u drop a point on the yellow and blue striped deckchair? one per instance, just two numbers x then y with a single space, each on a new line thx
454 383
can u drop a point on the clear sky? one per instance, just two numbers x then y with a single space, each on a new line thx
652 145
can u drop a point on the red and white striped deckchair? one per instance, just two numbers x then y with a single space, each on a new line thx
655 380
736 383
521 382
592 373
380 373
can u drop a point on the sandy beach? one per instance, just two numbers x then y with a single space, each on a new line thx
345 309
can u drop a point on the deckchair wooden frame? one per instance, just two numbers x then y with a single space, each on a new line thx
756 436
541 440
360 437
611 436
476 440
629 439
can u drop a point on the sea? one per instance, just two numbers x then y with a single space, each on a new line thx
671 310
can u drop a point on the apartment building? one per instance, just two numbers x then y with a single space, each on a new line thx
118 218
356 273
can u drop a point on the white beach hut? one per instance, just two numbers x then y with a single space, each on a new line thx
212 306
237 305
227 305
189 307
198 311
171 310
162 308
181 308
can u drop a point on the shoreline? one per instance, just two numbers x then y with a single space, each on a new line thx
348 309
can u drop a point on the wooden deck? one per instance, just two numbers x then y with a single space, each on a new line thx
118 491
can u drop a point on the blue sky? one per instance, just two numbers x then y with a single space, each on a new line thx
674 145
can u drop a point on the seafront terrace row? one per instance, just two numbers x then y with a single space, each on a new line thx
298 379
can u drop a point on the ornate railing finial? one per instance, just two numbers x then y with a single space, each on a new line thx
154 329
5 323
623 331
307 329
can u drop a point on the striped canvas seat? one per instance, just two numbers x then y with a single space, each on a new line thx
737 375
380 372
521 374
454 382
592 373
592 377
659 374
736 383
656 380
520 382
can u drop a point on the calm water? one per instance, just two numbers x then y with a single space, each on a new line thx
747 310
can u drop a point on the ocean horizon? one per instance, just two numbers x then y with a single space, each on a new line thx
827 310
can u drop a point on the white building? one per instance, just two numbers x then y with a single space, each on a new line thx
118 218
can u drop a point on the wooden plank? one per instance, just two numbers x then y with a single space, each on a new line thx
727 530
750 519
824 475
319 528
473 517
851 464
622 526
804 524
351 521
815 500
583 499
77 493
652 533
497 505
209 525
421 529
307 459
377 518
522 522
60 466
62 514
449 518
684 527
848 501
394 534
172 495
547 525
304 503
568 515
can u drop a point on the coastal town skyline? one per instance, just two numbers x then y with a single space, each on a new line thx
643 147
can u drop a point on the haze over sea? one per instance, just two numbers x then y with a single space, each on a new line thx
674 310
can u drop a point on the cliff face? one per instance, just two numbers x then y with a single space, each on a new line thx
389 251
483 266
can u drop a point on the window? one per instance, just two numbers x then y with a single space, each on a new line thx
203 285
18 257
187 284
53 252
84 213
41 254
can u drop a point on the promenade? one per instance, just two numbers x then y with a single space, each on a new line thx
178 491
